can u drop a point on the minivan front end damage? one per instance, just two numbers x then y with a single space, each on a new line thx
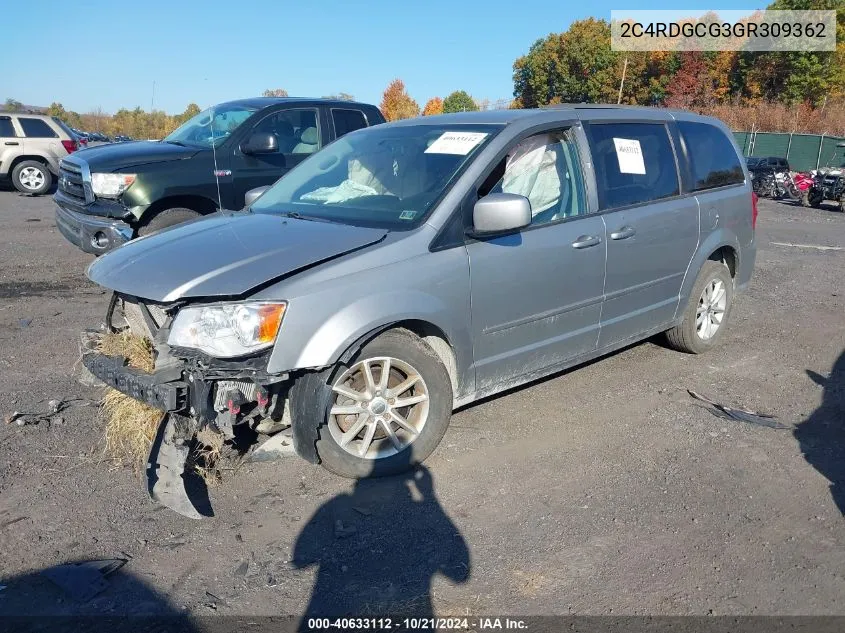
193 389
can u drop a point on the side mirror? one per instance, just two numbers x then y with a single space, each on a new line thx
253 194
500 213
260 143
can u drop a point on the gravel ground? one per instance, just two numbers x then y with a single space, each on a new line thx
603 490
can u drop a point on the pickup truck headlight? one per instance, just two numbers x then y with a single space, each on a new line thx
228 330
111 185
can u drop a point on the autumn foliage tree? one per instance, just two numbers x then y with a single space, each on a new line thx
433 106
396 103
275 92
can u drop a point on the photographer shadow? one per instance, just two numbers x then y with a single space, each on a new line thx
379 548
821 436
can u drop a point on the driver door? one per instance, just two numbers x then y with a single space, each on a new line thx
299 134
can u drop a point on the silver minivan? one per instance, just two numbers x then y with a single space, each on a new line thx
414 267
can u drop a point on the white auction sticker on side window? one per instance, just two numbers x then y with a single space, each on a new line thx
460 143
630 156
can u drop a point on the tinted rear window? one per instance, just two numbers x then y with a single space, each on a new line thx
346 121
6 127
634 163
63 126
713 160
36 128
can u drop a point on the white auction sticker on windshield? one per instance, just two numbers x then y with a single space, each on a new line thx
460 143
630 156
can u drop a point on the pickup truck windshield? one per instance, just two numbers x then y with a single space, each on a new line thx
384 176
210 127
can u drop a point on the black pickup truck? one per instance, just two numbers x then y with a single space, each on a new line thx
109 194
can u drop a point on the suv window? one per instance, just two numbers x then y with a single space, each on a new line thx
346 121
7 130
713 160
634 163
296 130
545 169
63 126
36 128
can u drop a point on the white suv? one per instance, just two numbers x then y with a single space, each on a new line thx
31 146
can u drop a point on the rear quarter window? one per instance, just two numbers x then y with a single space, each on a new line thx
36 128
346 121
634 163
713 159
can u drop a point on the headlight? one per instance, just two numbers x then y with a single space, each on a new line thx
225 331
111 185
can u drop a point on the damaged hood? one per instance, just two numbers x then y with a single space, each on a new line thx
223 255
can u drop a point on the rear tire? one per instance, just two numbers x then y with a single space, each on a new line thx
412 363
32 177
166 218
706 314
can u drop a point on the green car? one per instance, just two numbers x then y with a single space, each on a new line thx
110 194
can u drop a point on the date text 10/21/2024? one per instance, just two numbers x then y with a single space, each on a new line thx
420 624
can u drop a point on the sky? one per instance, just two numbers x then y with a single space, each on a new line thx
104 54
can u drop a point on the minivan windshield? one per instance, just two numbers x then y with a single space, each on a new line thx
384 176
210 127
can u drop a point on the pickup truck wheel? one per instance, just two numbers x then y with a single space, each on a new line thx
390 407
167 217
32 177
707 311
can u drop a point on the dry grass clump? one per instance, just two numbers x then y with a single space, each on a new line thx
206 455
130 425
138 350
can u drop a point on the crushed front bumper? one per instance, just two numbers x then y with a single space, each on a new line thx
92 234
144 387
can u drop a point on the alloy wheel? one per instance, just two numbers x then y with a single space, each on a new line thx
711 309
380 407
32 178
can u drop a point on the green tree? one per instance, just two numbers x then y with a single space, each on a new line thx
13 105
192 110
574 66
341 96
459 101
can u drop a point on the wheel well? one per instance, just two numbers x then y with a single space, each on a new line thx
195 203
437 340
20 159
727 256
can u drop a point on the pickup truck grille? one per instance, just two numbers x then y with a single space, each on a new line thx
74 181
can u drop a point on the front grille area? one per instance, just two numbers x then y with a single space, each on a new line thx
72 181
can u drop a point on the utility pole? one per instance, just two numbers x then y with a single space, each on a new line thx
153 99
622 83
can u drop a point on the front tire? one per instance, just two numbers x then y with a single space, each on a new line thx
166 218
707 311
390 407
32 177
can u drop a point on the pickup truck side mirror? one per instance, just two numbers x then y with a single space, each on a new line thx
500 213
253 194
260 143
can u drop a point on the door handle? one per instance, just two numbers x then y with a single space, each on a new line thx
623 234
11 143
585 241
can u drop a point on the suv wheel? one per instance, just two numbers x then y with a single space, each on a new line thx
389 410
167 217
707 310
32 177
